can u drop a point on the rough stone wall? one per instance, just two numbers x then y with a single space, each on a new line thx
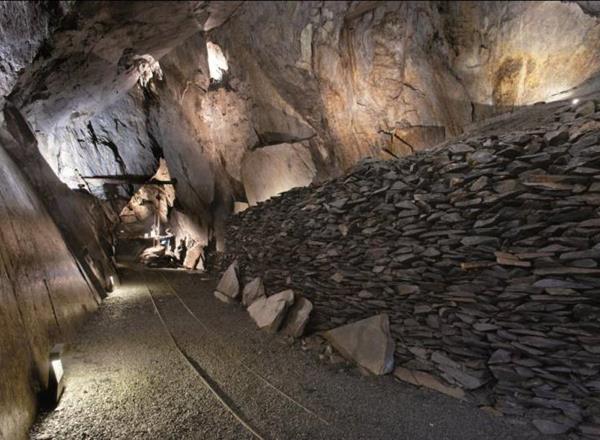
367 75
113 142
99 52
346 79
515 53
24 26
43 296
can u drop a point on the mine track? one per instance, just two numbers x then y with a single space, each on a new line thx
208 381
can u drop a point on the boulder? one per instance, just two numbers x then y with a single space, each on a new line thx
193 256
252 291
229 284
152 253
268 313
553 427
585 108
297 317
367 342
239 207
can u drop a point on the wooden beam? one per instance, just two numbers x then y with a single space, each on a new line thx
128 179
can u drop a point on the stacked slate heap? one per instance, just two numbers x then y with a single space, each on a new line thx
484 254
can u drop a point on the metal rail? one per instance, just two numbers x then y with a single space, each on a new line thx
238 363
203 376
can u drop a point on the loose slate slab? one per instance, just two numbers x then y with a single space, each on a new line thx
252 291
268 313
192 257
367 342
421 378
229 284
297 317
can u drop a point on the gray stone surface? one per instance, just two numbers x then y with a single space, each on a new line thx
193 257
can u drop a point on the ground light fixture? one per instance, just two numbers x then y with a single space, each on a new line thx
111 283
575 101
56 384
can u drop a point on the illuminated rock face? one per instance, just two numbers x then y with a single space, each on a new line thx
369 76
346 80
272 170
151 199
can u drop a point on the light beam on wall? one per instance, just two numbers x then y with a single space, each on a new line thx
217 63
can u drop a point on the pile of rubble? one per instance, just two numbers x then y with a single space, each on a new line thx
283 310
367 342
484 254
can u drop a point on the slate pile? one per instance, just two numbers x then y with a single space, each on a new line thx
484 254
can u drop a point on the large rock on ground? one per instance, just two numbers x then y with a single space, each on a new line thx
228 288
297 317
193 256
367 342
271 170
252 291
152 253
268 313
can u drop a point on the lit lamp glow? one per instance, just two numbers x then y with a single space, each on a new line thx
217 63
111 283
575 101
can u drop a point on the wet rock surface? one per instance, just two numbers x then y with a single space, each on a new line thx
484 254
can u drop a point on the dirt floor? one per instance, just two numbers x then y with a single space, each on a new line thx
127 379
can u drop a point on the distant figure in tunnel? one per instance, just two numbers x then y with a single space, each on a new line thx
182 250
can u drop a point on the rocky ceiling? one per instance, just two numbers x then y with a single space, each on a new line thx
108 88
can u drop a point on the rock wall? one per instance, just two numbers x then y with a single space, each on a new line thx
272 170
43 296
202 131
403 75
347 79
100 51
24 27
114 142
84 222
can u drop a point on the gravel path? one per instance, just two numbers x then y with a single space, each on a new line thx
126 379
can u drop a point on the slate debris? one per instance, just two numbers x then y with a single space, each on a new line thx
483 254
